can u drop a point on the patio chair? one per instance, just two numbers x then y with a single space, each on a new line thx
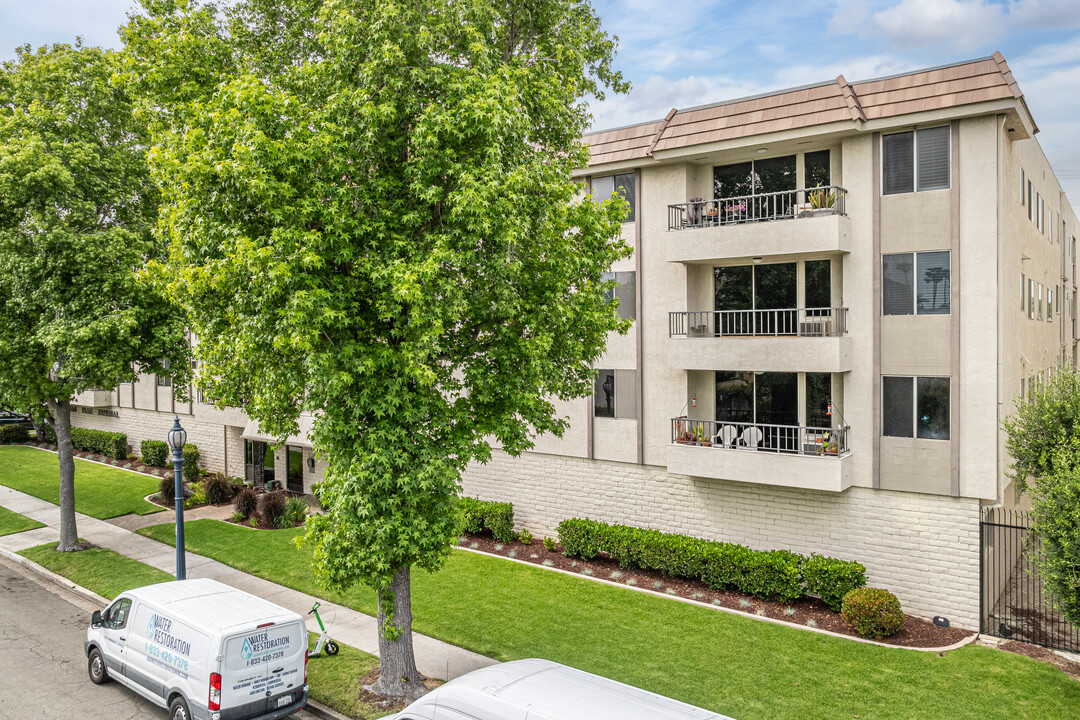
726 437
751 437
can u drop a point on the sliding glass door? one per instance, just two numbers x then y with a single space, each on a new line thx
756 299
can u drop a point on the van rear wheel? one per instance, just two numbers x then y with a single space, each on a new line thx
96 667
331 648
178 709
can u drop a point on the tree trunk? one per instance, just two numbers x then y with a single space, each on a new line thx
39 430
69 534
397 665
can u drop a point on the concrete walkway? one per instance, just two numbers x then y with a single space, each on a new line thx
135 522
434 658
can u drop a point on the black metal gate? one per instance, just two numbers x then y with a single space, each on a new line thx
1012 602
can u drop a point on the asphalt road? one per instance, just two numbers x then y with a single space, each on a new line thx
42 665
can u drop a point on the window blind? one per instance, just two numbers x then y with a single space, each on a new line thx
897 286
897 407
897 160
933 158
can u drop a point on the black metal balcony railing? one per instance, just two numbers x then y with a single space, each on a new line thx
787 439
795 322
783 205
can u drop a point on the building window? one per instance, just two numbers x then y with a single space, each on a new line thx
625 290
164 380
615 394
916 283
915 407
1023 290
1020 401
1023 187
1050 225
1049 304
816 169
1040 312
604 187
1031 299
1031 201
1039 212
915 161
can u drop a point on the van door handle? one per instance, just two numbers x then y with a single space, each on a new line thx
277 670
123 638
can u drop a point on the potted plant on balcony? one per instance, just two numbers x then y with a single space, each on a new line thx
822 202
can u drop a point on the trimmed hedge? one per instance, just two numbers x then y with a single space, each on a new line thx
14 434
218 489
96 441
873 612
497 517
772 575
832 579
191 462
154 453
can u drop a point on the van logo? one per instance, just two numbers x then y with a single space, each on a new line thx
150 626
245 651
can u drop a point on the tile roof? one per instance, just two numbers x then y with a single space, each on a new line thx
965 83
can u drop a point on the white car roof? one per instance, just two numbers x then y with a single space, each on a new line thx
208 605
545 690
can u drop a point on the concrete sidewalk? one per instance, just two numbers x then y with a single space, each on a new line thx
434 658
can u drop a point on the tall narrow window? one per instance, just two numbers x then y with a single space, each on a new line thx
897 407
1023 290
816 170
898 284
1023 187
615 394
933 407
1031 201
604 394
818 283
933 297
898 163
1040 314
1031 299
626 291
604 187
164 380
1049 304
1039 211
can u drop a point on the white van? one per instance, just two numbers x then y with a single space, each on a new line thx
545 690
202 649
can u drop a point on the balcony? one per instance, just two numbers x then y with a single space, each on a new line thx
813 458
703 230
781 340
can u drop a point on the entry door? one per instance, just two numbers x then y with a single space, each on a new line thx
259 463
295 472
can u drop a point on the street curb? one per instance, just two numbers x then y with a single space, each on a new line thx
319 710
49 575
719 608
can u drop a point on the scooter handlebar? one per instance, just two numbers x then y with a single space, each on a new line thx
313 608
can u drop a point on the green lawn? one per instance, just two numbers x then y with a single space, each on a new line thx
105 572
100 491
13 522
335 681
748 669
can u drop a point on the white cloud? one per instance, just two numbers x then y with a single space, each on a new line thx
853 70
652 98
1052 14
957 24
848 18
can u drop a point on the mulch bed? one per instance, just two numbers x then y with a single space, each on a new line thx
136 465
385 703
915 632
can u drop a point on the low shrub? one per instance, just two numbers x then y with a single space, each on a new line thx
14 434
154 453
50 434
272 507
218 489
95 441
191 461
496 517
525 537
774 575
247 500
197 496
873 612
549 544
832 579
167 490
295 512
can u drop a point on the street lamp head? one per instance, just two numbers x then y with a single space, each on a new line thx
177 436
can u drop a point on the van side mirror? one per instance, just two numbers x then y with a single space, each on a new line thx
95 619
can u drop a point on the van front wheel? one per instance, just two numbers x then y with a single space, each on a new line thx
178 709
96 666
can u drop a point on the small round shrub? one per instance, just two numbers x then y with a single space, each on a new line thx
272 507
167 490
873 612
246 502
218 489
295 512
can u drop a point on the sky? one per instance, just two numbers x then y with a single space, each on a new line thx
678 53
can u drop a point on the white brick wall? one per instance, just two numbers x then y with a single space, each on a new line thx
923 548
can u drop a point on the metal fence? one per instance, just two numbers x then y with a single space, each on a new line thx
789 439
783 205
1013 603
797 322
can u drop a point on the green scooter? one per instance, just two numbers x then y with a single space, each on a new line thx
324 641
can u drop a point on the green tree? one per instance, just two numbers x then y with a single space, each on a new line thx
76 210
371 216
1044 442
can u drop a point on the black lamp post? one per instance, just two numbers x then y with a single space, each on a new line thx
177 440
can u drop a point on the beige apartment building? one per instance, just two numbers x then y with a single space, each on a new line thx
838 293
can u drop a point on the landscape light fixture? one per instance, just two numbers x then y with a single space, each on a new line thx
177 438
